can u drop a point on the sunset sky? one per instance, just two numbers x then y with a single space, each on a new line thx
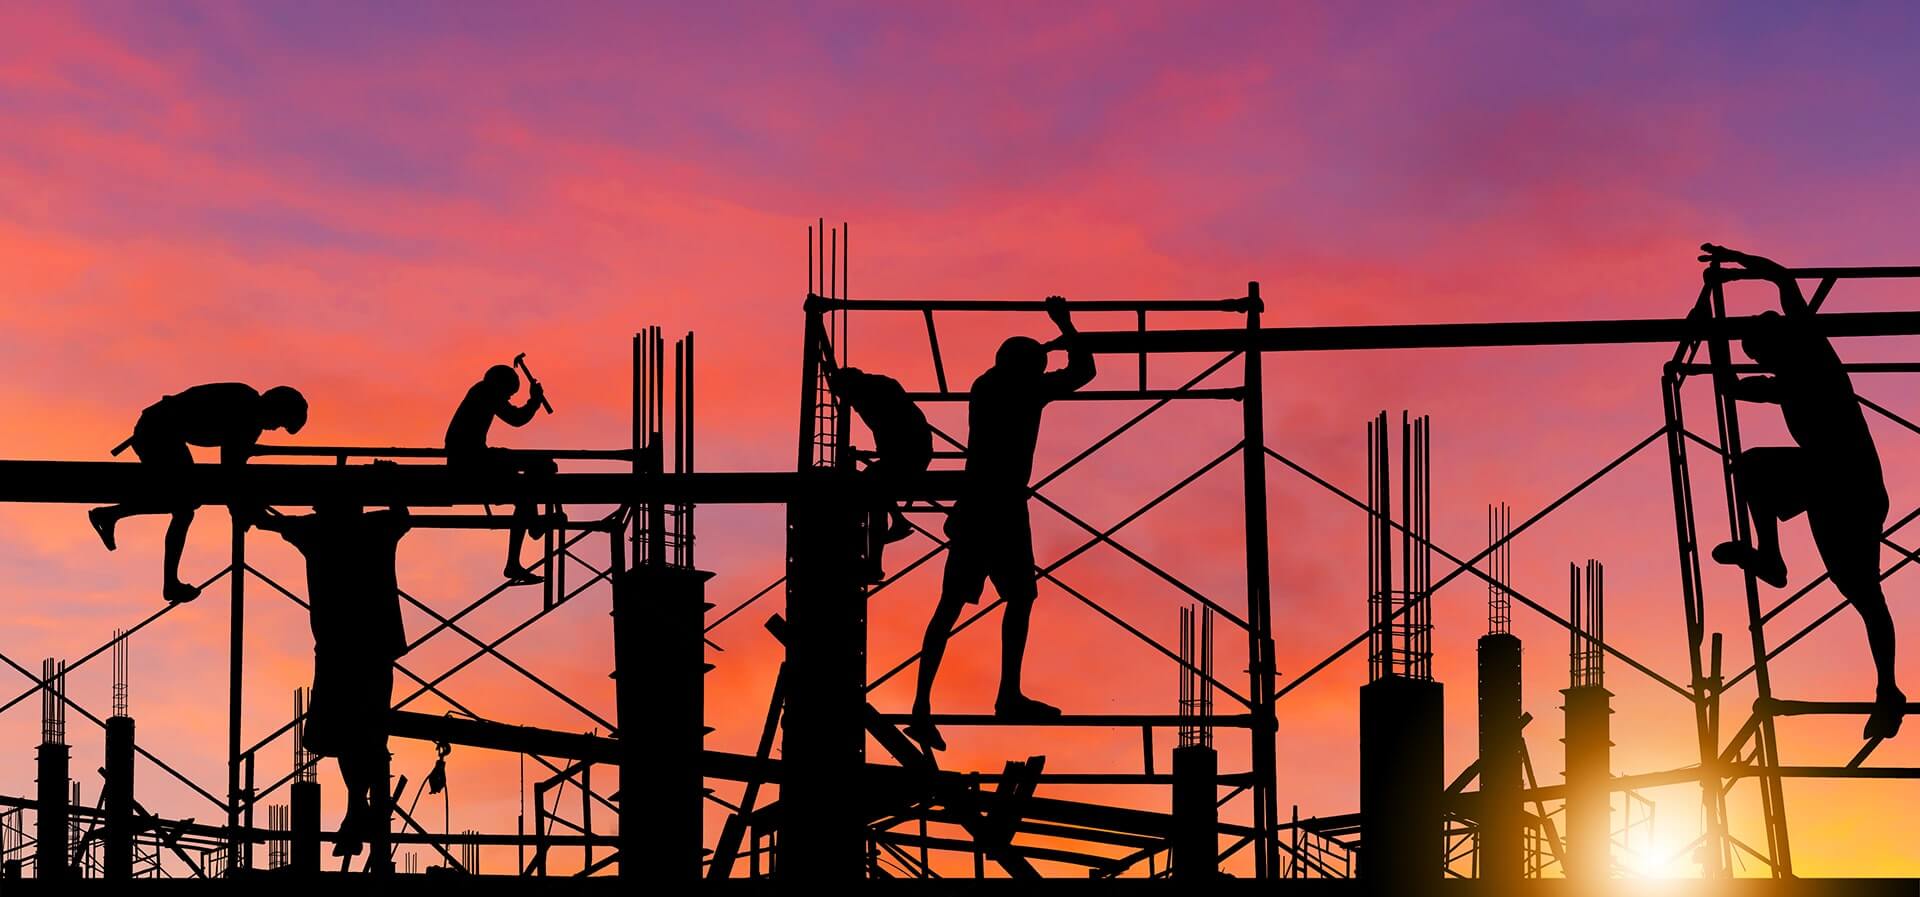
374 202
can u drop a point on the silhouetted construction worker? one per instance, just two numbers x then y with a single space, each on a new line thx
902 448
353 602
227 416
1833 474
990 535
467 449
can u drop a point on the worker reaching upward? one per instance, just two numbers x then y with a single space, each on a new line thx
353 603
1833 474
991 535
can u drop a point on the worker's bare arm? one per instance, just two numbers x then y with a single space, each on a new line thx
1079 370
1792 302
518 415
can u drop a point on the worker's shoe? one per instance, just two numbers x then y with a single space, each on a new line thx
924 731
178 592
353 826
103 522
1024 709
520 576
1772 571
1889 710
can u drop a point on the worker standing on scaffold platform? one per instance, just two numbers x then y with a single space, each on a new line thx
902 448
467 449
353 603
1833 474
227 416
990 534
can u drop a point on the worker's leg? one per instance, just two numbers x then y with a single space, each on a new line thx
1848 537
1013 647
525 514
159 454
176 545
356 775
1013 574
1775 482
517 537
877 476
904 470
536 468
961 584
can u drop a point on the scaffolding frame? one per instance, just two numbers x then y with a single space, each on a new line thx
1752 753
1702 691
825 445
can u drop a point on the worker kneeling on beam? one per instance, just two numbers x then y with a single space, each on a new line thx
991 536
227 416
1833 474
353 600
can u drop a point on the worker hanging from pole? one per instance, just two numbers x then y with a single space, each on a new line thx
902 449
989 533
1833 474
227 416
353 603
467 450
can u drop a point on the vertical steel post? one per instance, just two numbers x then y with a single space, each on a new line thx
1705 685
1253 450
238 847
1772 798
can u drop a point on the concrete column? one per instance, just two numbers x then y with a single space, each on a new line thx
1589 744
118 798
52 813
1502 855
822 834
660 666
1401 782
1196 816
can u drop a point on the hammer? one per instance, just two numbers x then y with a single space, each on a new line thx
520 361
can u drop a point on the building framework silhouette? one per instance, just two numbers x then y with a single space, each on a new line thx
1413 823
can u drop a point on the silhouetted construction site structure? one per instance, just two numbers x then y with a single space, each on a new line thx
842 814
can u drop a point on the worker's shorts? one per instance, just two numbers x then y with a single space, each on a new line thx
991 539
155 444
347 714
1845 507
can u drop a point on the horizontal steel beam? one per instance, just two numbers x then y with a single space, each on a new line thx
1094 720
1224 393
1459 336
502 736
1781 707
399 451
420 485
823 303
1858 273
